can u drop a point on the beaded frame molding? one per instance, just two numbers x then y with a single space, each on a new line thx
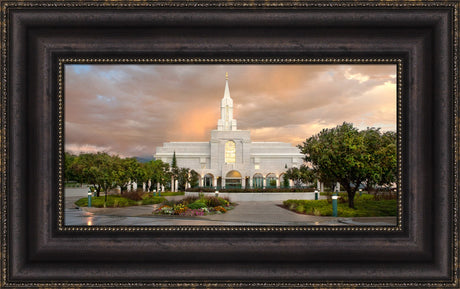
40 37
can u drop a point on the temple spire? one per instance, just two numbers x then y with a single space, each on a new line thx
227 90
226 121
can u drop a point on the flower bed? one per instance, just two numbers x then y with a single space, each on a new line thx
195 206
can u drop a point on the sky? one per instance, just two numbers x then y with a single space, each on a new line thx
129 110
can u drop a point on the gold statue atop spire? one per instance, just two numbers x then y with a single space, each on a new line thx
226 75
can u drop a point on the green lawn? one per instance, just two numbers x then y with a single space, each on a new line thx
118 201
365 206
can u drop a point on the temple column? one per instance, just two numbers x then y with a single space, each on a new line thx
223 183
250 182
277 182
176 185
214 182
264 184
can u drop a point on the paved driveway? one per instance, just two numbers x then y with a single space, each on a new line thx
245 214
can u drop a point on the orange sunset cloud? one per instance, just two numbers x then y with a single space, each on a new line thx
131 109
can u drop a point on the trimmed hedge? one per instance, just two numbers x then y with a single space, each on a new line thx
114 201
365 206
259 190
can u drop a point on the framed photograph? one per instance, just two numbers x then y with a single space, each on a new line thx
228 163
189 144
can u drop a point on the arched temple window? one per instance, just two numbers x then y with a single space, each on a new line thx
258 181
230 152
208 178
271 181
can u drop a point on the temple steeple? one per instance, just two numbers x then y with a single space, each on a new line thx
226 121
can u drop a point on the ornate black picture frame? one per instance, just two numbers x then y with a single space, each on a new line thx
37 250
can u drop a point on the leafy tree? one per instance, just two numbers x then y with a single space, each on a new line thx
74 166
70 172
125 171
142 173
183 177
299 176
285 181
383 166
194 179
83 168
98 170
350 157
158 173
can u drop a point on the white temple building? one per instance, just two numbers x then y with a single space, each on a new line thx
230 158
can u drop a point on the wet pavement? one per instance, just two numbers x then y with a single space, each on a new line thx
244 214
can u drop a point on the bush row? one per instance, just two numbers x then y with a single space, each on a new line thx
365 206
257 190
114 201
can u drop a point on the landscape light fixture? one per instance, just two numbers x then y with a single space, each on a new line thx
89 198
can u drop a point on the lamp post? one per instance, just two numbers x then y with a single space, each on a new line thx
217 193
360 192
89 198
316 195
334 203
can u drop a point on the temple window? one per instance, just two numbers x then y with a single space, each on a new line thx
230 152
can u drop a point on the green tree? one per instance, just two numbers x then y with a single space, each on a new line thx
183 177
194 179
125 170
83 167
74 166
174 161
99 171
350 157
142 174
70 168
285 181
339 154
158 173
299 176
383 165
175 171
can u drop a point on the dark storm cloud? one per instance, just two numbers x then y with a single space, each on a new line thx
132 109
